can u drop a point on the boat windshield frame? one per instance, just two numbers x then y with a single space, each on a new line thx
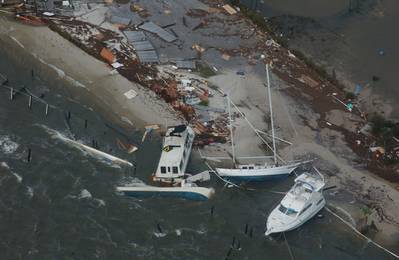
287 211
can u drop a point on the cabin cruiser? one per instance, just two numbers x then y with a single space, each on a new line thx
302 202
171 170
175 154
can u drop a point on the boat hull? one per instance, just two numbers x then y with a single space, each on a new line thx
256 175
190 193
298 223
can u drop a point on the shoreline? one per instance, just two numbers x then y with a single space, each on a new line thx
73 52
75 66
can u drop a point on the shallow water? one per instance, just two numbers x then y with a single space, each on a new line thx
359 39
62 204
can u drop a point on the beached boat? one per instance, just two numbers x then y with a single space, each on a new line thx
184 190
175 154
171 170
257 173
252 172
302 202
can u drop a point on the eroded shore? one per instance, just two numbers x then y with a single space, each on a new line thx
301 110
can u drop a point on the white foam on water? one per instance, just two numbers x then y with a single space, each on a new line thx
29 192
126 120
159 234
4 165
7 146
61 73
18 177
85 194
100 202
18 42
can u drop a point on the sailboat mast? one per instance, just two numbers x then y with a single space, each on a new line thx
271 114
231 130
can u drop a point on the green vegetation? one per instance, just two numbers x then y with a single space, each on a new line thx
204 103
205 71
350 95
385 129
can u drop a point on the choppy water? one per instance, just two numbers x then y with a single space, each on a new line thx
356 38
62 204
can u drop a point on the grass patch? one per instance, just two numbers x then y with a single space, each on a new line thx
205 71
204 103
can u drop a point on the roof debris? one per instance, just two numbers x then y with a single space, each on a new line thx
156 29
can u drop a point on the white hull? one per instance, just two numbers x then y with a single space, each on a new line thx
302 202
295 224
192 193
259 173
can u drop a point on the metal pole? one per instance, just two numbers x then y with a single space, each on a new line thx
271 114
231 131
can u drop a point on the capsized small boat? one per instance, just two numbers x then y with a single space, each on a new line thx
186 190
302 202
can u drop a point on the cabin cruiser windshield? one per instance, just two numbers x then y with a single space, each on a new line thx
287 211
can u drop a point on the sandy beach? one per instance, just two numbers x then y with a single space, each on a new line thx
88 75
356 187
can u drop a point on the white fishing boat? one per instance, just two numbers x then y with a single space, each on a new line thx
184 190
302 202
260 172
175 154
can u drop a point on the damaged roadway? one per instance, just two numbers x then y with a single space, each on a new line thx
230 53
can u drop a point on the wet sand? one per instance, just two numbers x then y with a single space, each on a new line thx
89 75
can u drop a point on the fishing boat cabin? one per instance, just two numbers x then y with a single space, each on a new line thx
175 154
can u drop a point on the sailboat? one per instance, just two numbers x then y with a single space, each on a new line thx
303 201
254 172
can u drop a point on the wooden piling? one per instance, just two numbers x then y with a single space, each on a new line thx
29 154
85 123
12 94
159 228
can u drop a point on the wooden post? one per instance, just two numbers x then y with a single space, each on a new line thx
159 228
85 123
47 107
12 94
29 154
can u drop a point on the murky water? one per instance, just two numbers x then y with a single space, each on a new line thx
62 204
357 38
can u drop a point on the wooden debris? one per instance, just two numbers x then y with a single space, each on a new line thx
229 9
